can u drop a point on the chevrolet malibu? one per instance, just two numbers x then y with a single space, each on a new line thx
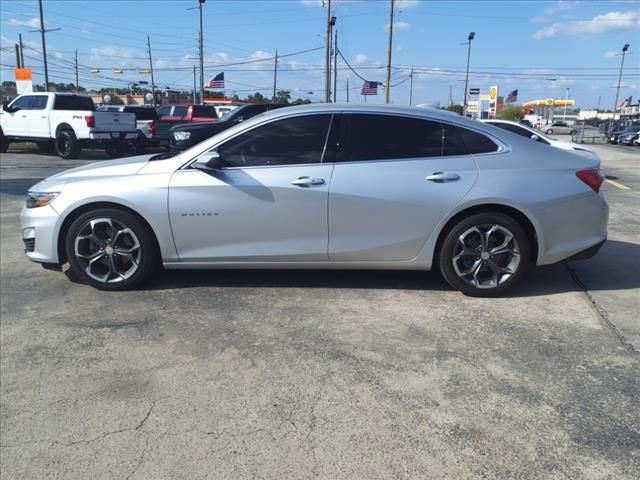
327 187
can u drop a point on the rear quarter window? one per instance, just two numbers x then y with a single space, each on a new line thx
203 111
476 142
143 113
73 102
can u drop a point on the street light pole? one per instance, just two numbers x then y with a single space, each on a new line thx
466 77
566 100
615 105
44 48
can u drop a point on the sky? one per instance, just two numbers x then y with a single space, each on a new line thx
538 47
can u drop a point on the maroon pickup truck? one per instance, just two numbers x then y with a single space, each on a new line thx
185 113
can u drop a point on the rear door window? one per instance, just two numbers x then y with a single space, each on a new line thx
386 137
38 102
203 111
165 111
179 112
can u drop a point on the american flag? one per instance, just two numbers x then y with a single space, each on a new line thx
216 82
624 103
369 88
512 97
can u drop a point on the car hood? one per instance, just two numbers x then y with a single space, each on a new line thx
110 168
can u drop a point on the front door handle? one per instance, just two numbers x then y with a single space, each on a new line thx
307 181
441 177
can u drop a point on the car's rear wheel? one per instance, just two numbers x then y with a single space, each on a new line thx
110 249
67 145
4 143
485 254
115 149
549 132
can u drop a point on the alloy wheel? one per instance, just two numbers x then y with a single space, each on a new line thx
107 250
486 256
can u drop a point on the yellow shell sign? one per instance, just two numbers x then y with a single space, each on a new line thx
493 91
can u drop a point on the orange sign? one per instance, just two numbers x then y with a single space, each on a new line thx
23 74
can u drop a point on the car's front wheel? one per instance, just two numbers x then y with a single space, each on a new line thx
484 254
549 132
110 249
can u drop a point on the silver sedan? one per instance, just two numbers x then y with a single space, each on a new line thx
327 186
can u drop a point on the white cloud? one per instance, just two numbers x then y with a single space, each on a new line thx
549 12
31 23
404 4
608 22
359 59
398 26
611 54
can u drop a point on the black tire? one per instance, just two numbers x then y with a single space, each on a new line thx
67 145
572 132
115 149
125 276
46 147
451 247
549 132
139 145
4 143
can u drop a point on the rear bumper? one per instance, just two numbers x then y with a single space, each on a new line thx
588 253
572 227
109 136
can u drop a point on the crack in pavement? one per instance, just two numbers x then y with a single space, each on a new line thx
600 310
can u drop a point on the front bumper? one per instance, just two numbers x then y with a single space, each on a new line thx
39 233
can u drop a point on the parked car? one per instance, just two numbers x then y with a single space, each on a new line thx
627 136
558 127
537 135
526 123
185 136
327 186
187 113
65 122
147 121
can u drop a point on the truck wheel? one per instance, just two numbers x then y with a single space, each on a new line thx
138 146
4 143
115 149
67 146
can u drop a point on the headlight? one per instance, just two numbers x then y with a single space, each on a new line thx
182 135
35 199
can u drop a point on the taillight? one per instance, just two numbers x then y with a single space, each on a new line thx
90 120
593 178
152 128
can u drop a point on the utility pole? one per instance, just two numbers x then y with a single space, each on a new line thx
200 3
387 91
335 67
466 77
194 84
275 75
450 95
347 89
615 105
153 84
598 107
21 50
18 64
77 83
44 48
327 56
411 88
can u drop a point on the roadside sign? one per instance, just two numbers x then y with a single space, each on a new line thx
24 80
474 91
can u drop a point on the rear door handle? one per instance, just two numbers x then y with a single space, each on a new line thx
441 177
307 181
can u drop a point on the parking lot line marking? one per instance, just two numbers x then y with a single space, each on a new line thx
616 184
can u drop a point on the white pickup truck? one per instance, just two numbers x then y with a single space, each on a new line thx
65 122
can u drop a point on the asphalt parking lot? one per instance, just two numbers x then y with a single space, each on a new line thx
335 375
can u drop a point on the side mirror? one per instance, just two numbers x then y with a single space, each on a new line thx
535 137
5 107
210 161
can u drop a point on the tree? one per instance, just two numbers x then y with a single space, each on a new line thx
282 96
256 98
454 107
510 112
301 101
